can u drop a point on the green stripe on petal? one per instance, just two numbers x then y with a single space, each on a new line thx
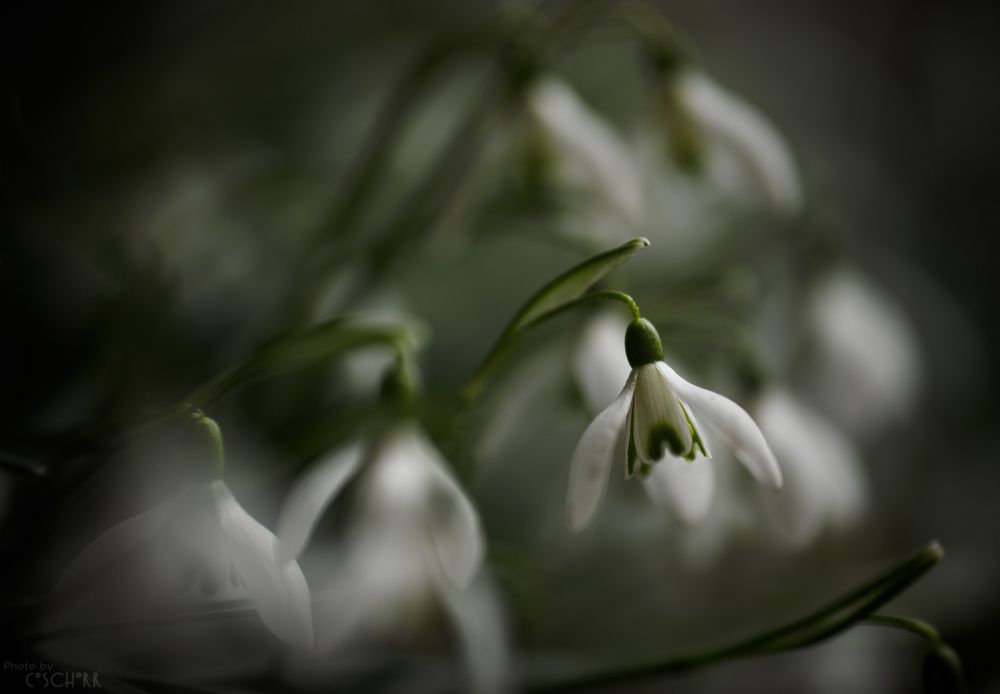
631 456
659 423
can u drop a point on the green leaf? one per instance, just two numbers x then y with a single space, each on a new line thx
562 293
572 284
302 349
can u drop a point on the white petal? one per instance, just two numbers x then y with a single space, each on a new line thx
750 136
453 523
279 592
482 631
310 496
686 488
599 362
593 152
77 584
656 406
824 484
868 362
732 424
401 481
591 461
110 545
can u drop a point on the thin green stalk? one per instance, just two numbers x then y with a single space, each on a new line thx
214 434
915 626
20 464
497 354
799 633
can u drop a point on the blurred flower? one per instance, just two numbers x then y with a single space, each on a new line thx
628 184
210 530
740 144
658 410
825 485
866 367
416 535
590 154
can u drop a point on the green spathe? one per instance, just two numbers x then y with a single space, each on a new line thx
642 343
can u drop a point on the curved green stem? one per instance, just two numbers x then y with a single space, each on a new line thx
943 669
914 626
800 633
214 433
495 357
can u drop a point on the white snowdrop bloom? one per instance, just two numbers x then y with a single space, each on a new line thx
208 528
408 481
659 412
741 143
415 536
590 154
825 485
600 365
867 363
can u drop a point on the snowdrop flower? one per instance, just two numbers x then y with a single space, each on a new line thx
416 535
214 532
867 363
659 412
591 154
685 488
741 144
825 484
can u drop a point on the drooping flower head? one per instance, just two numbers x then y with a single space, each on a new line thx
660 414
203 526
415 537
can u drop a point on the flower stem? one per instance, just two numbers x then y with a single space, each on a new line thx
214 433
474 386
800 633
943 669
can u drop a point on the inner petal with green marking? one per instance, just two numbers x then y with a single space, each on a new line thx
659 422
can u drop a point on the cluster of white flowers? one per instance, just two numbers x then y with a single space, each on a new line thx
415 535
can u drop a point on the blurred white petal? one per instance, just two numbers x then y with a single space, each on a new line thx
311 495
479 621
747 134
824 480
76 586
732 424
591 462
685 488
454 525
279 592
868 364
401 482
593 156
599 361
100 554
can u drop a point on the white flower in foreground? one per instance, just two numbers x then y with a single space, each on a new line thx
741 142
684 487
212 531
659 413
415 535
825 485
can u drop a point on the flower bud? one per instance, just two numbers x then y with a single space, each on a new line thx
642 343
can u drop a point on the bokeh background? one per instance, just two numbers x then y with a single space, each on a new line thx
171 173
